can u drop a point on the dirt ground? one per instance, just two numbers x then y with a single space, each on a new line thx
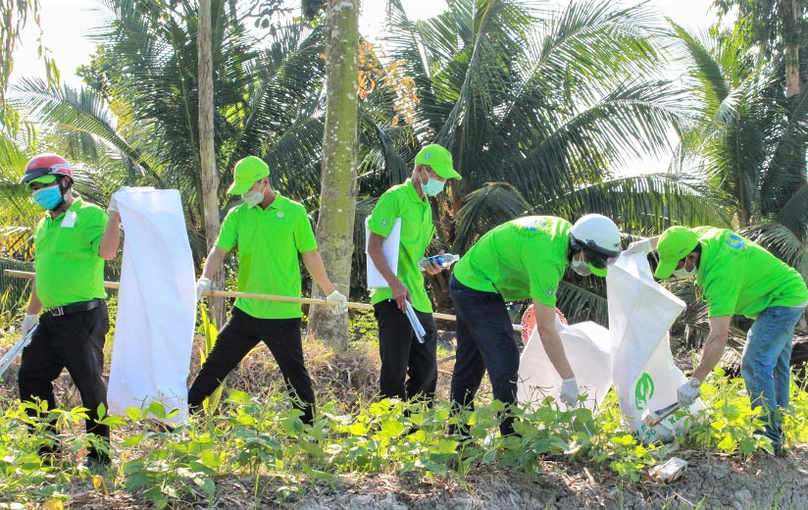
710 480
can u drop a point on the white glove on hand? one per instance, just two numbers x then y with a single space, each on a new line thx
642 246
113 204
28 323
342 303
688 392
202 284
569 392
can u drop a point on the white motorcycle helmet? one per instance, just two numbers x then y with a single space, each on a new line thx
600 236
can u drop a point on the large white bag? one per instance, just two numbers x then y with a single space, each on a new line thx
156 305
640 314
588 350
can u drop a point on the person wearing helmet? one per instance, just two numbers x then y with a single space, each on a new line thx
409 368
270 231
71 243
739 277
522 259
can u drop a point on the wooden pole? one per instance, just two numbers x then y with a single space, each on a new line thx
250 295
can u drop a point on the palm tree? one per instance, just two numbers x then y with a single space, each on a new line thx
137 124
537 106
18 214
745 139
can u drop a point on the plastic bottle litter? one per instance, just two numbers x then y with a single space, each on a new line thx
445 260
669 471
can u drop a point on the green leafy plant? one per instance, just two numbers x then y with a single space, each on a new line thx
728 423
210 333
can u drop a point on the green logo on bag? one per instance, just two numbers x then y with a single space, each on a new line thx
643 391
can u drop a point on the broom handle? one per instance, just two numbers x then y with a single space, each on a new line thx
250 295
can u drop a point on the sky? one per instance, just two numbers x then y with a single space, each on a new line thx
66 25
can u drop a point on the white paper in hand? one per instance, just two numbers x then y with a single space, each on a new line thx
390 249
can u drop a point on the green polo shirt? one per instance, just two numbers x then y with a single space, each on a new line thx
523 258
740 277
68 267
402 201
268 241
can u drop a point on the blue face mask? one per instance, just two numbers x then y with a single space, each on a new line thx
48 198
433 187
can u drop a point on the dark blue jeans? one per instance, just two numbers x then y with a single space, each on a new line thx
484 342
766 365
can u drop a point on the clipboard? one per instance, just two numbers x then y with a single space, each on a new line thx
390 249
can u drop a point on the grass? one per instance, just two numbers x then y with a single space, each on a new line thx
257 438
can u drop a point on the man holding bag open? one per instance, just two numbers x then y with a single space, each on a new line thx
521 259
739 277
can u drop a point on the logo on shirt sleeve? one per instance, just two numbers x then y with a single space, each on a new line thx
735 242
384 222
550 291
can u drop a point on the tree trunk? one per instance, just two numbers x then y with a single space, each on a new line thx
207 152
791 12
338 181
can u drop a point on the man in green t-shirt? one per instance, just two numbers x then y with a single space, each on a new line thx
270 231
522 259
401 353
71 243
738 277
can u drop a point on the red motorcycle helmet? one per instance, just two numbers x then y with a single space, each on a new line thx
46 164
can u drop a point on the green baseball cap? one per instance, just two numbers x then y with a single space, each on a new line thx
674 245
246 173
45 179
438 159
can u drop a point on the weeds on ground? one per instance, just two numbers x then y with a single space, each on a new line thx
261 437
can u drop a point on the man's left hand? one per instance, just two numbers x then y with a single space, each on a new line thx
688 392
341 302
433 267
113 205
569 392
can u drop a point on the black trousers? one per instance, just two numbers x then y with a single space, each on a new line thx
237 338
76 342
402 355
484 342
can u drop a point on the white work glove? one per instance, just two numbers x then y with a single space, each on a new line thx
202 284
340 300
569 392
113 204
688 392
642 246
28 323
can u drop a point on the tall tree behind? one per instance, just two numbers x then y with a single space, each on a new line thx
338 180
776 29
207 151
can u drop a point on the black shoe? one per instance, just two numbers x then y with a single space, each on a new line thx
50 453
96 462
159 426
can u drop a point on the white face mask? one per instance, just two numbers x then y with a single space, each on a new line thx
253 197
684 273
432 187
580 267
